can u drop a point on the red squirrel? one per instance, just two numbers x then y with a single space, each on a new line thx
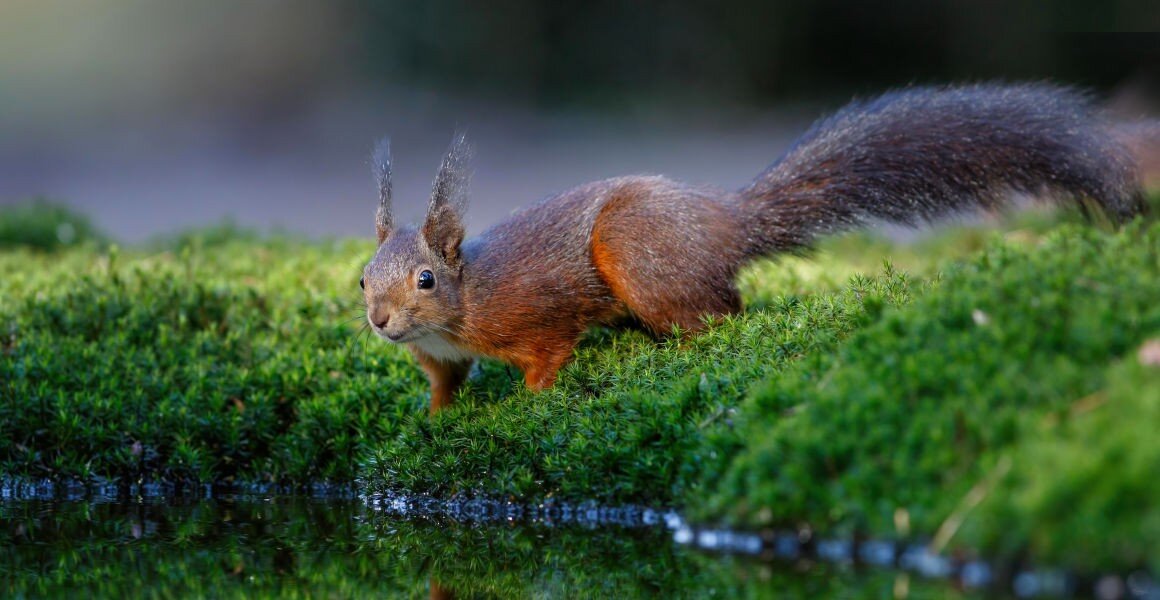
667 254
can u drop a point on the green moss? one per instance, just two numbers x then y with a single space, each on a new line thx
1082 488
918 407
45 226
225 365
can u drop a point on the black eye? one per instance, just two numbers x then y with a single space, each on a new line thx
426 280
362 283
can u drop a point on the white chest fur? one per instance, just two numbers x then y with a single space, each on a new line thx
437 347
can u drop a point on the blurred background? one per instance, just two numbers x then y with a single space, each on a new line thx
157 116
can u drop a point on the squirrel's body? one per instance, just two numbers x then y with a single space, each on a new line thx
666 254
552 269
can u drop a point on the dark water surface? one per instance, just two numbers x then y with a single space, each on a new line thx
286 546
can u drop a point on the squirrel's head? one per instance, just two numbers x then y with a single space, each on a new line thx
412 284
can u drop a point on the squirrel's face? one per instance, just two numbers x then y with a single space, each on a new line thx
412 284
411 292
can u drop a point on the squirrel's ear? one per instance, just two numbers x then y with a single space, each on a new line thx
443 232
381 168
443 228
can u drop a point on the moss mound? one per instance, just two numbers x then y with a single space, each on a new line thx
990 395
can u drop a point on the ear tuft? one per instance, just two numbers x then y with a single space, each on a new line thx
450 187
381 168
443 228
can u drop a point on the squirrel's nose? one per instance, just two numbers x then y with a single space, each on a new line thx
378 316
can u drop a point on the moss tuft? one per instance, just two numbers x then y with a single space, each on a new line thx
45 226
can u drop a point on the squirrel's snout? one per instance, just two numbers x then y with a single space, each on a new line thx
380 320
379 316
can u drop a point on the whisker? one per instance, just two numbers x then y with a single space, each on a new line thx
436 326
365 340
353 319
484 329
360 303
354 340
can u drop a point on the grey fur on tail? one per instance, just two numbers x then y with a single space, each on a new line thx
920 153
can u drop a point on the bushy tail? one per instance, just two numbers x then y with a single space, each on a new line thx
917 154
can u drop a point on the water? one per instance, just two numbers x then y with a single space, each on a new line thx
64 542
335 547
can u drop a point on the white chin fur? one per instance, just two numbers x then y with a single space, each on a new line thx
437 347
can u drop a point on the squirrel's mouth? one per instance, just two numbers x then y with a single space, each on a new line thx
397 337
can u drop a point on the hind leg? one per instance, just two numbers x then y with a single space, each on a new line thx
540 372
687 318
673 284
684 302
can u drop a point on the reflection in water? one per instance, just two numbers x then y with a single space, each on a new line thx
299 547
441 592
